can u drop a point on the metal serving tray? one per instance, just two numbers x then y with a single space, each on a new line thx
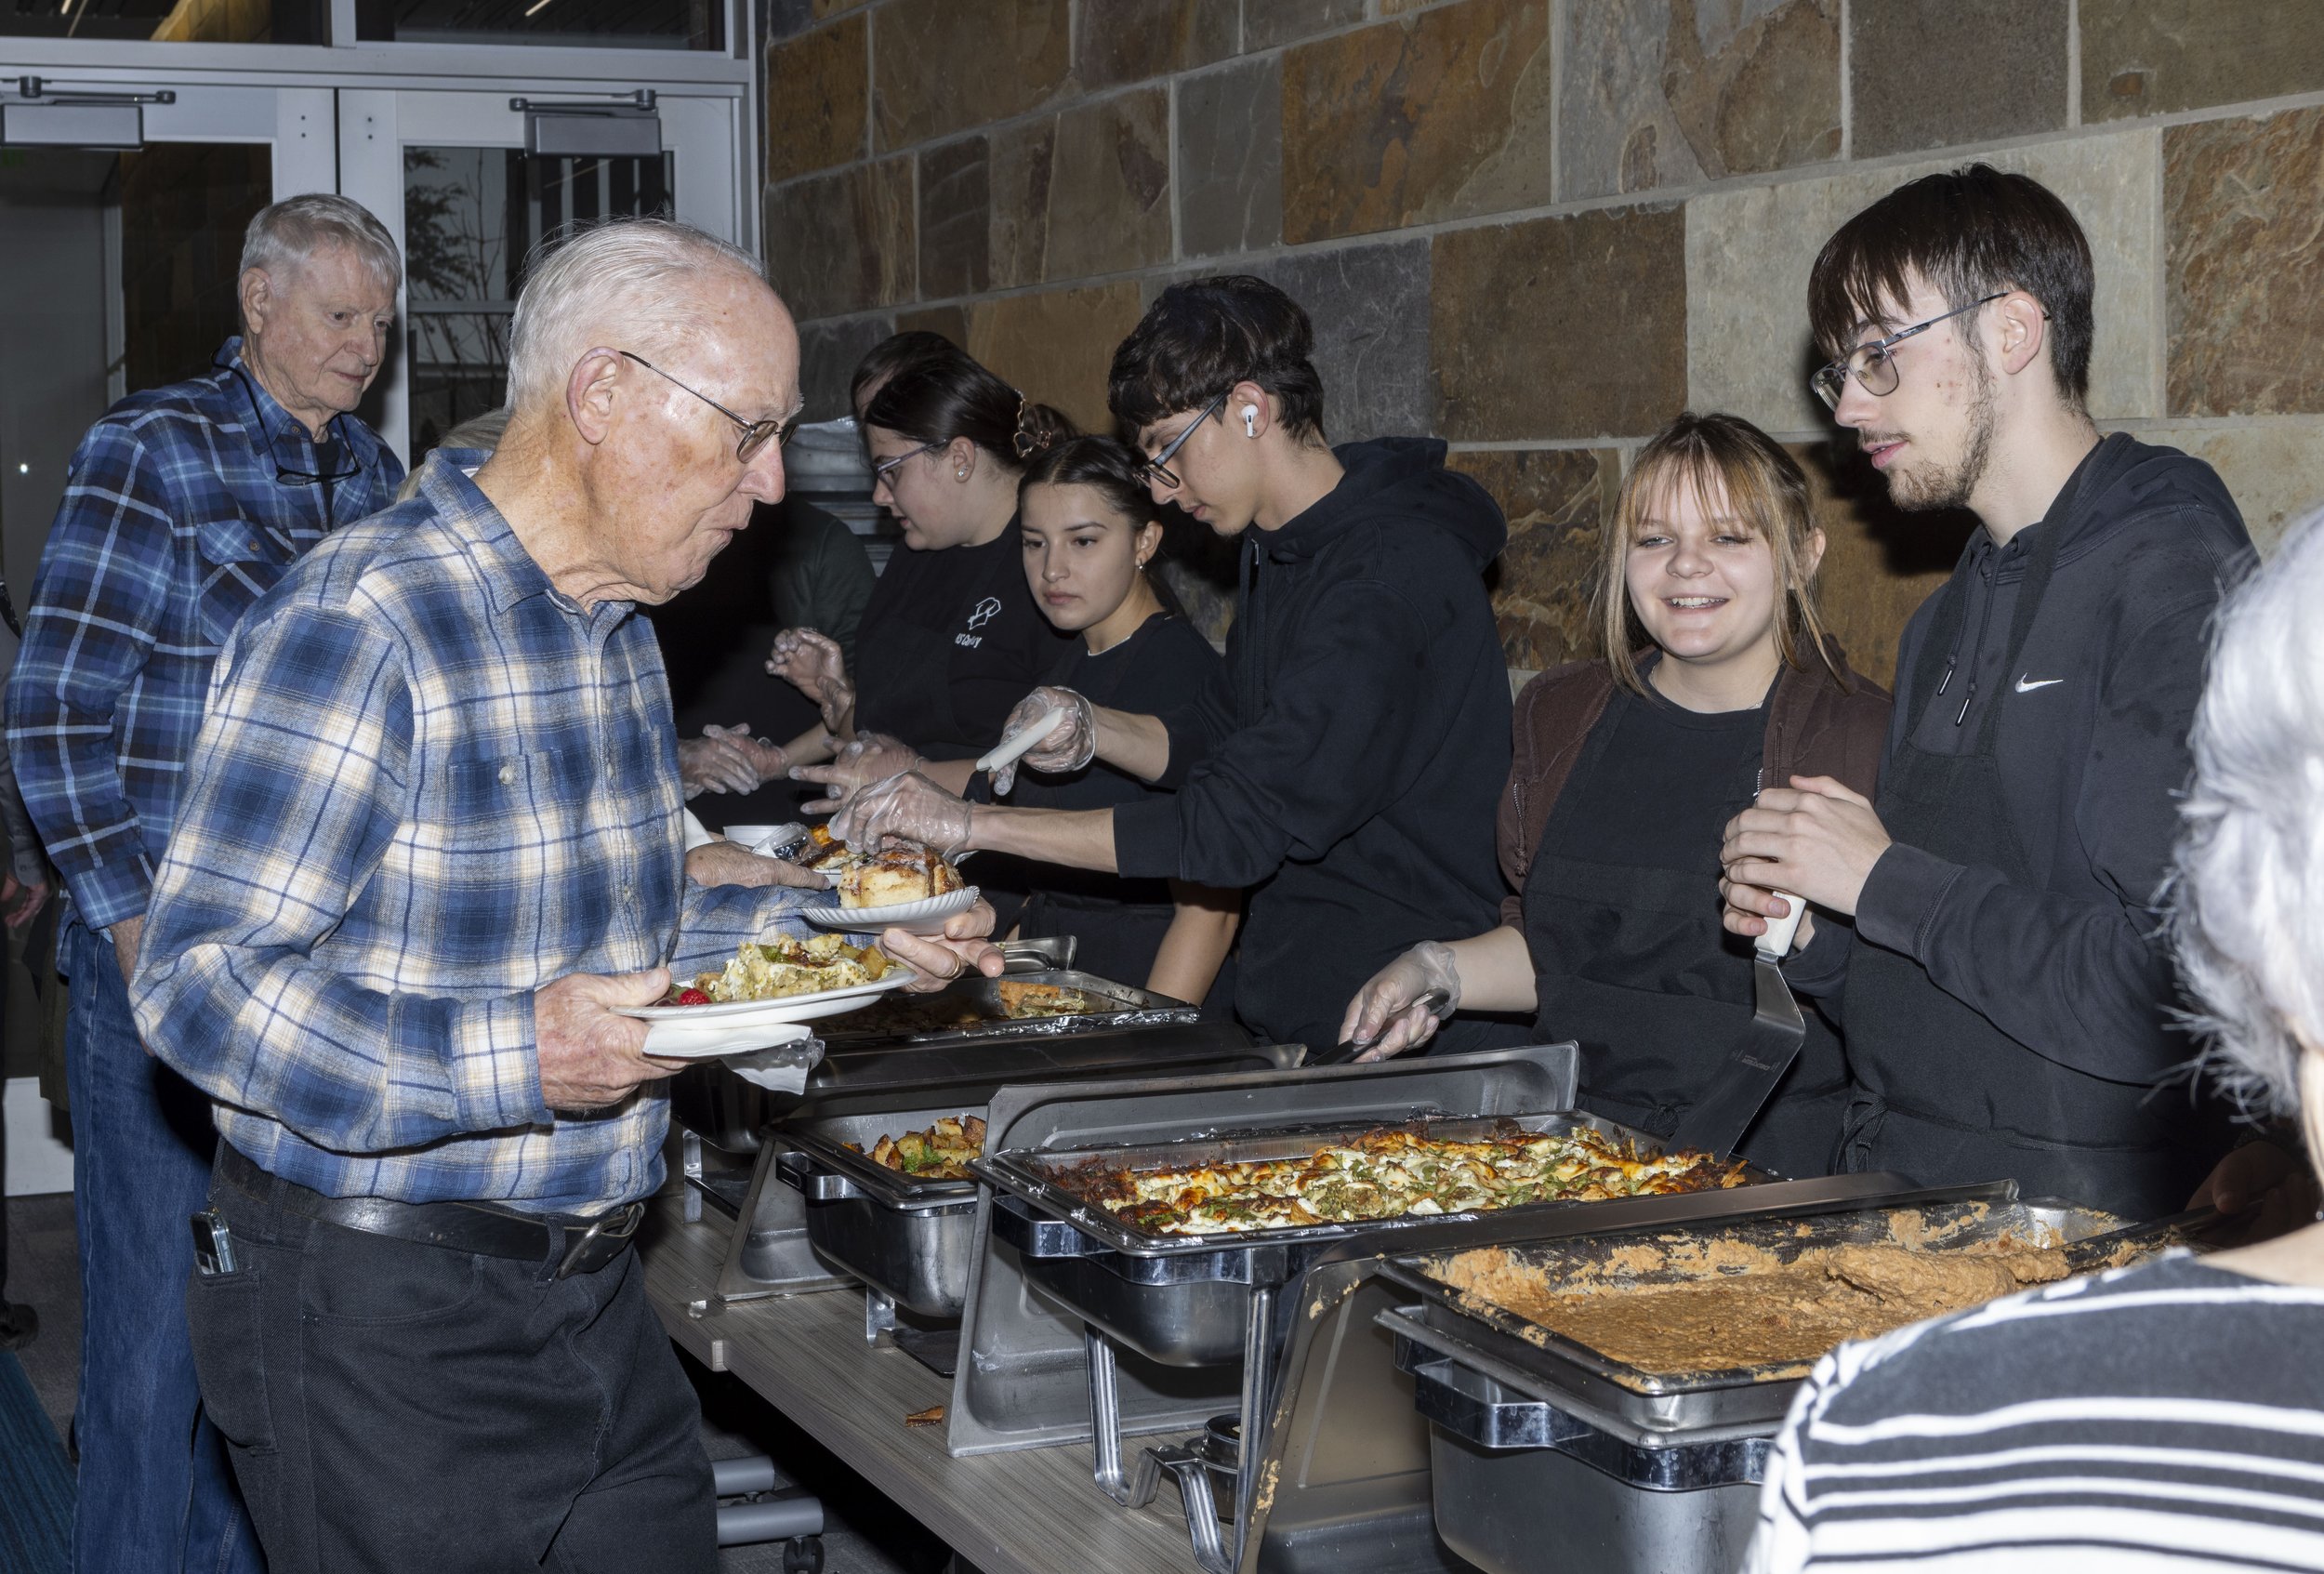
1654 1409
908 1238
1124 1007
1183 1300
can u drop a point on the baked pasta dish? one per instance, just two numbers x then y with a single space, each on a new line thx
892 875
1394 1172
775 970
941 1153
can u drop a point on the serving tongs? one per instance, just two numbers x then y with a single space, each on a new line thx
1765 1051
1346 1050
2173 1229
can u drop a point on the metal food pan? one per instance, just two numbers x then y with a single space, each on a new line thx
910 1239
892 1021
1661 1409
1045 1179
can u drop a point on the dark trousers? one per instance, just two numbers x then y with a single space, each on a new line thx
157 1493
393 1405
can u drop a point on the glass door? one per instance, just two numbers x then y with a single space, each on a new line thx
120 265
473 184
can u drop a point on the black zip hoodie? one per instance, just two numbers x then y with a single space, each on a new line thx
1353 784
2092 755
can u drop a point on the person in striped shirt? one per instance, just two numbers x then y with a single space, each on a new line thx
2166 1416
428 848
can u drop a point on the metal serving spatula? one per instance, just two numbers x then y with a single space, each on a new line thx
1763 1054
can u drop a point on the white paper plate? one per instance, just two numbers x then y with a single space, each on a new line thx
774 1043
924 916
765 839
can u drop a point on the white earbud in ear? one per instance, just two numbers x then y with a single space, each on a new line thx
1250 420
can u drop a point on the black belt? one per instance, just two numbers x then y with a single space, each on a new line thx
580 1245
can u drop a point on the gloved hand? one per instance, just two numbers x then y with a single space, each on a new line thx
719 760
1071 742
1403 1002
871 756
909 806
811 664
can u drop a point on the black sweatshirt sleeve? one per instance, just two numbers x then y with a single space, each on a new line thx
2076 981
1344 724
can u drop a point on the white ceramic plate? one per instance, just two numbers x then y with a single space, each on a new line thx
746 1023
924 916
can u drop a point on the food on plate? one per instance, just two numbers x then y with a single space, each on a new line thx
778 969
1393 1171
896 875
905 872
941 1153
1022 1001
1735 1306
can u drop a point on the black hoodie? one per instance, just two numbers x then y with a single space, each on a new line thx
1353 784
2092 756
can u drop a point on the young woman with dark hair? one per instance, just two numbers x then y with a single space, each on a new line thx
1352 765
1718 678
1090 533
951 638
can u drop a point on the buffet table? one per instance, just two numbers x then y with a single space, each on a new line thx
1030 1511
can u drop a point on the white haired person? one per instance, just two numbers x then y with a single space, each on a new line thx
2167 1416
184 504
428 851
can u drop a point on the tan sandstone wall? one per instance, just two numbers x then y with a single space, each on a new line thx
1537 228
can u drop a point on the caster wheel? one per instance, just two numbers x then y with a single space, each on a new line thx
803 1555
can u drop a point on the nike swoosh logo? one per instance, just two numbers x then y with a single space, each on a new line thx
2026 687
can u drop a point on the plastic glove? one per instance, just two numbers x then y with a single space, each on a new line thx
766 757
811 664
871 756
1389 1015
1070 744
909 806
716 762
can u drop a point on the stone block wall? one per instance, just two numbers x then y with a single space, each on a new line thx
1540 228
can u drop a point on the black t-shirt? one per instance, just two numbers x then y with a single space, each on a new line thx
1663 789
950 641
1160 670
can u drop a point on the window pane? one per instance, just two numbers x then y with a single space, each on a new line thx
628 24
471 219
169 21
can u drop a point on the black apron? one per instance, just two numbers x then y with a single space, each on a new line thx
1942 1094
1647 1052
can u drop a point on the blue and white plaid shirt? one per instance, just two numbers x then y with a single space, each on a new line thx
174 521
429 785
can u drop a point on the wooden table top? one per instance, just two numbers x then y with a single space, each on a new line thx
1035 1511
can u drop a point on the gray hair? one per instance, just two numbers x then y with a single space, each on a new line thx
2247 887
636 276
295 228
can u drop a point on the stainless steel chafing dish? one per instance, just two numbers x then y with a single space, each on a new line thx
1198 1302
1649 1471
840 1217
859 1053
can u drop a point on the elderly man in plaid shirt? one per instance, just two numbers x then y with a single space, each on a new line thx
429 845
182 505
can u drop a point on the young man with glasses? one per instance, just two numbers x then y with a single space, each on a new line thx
184 504
1353 767
2007 1005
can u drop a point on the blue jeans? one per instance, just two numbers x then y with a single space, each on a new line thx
157 1494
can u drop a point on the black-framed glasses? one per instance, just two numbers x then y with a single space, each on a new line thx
1873 365
1158 467
756 434
884 472
285 471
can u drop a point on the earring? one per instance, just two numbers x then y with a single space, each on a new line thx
961 474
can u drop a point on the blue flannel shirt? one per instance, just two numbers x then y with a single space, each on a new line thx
173 523
429 785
